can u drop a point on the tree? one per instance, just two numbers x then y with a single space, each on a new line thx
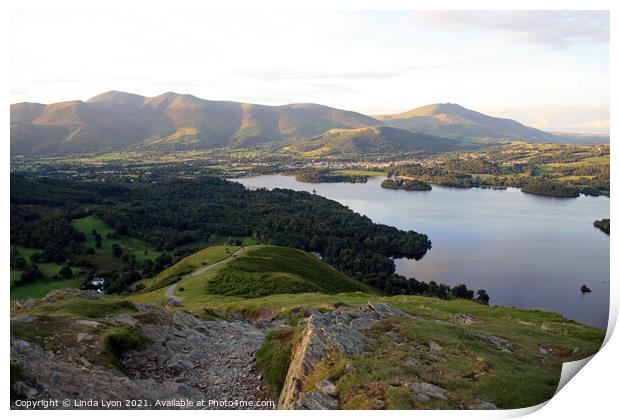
461 291
482 297
31 275
117 251
66 273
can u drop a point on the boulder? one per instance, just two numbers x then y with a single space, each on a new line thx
434 346
429 390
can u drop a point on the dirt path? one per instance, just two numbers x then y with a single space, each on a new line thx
170 291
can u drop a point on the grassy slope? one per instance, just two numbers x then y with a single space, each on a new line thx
261 270
265 270
473 368
191 263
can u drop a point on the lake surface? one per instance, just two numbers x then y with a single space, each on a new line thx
525 250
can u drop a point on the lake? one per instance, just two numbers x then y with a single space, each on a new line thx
526 250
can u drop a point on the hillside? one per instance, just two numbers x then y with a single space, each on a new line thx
348 350
371 141
255 271
170 122
118 120
456 122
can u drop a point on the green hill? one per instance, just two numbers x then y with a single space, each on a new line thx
257 271
370 141
267 270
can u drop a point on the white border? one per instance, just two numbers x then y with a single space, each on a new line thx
592 395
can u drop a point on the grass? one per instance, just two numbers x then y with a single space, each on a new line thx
264 270
83 308
41 288
467 367
274 356
140 249
118 340
473 368
189 264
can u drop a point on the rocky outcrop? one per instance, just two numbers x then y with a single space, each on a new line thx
323 334
187 358
215 357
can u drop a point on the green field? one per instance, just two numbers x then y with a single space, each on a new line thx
47 269
103 259
41 288
139 248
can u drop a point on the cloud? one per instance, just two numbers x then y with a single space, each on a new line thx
557 29
281 74
270 75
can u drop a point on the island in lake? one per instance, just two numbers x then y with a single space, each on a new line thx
325 177
406 184
603 225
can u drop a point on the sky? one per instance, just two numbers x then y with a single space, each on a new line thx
548 69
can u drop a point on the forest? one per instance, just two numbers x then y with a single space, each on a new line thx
178 212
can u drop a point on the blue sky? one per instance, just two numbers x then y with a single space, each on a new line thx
547 69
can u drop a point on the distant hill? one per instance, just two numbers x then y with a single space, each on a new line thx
372 140
117 120
454 121
171 122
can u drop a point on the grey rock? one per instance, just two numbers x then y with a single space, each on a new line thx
189 358
21 345
328 387
24 390
430 390
84 337
127 320
323 334
395 337
434 346
411 362
543 350
498 341
434 357
464 319
422 397
87 323
24 318
482 405
317 400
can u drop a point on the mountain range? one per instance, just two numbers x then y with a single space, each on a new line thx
172 122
